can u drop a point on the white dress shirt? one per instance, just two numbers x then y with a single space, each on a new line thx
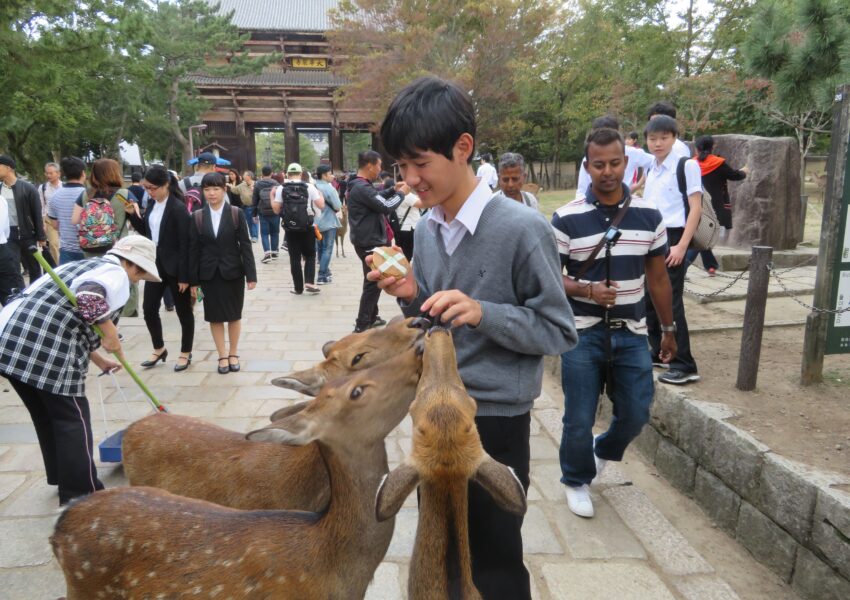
215 215
662 188
5 229
157 210
488 173
466 219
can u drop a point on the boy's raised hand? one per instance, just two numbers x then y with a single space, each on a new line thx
454 308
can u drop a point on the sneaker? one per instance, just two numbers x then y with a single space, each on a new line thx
312 290
267 258
579 501
321 281
677 377
274 255
378 322
660 365
253 240
712 271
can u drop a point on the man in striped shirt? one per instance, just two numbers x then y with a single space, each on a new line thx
614 354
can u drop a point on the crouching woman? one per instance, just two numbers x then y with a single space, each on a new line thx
220 262
45 348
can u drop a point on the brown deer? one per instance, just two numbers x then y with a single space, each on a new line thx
141 543
173 452
445 455
342 230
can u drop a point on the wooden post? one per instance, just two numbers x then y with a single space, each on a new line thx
748 362
814 344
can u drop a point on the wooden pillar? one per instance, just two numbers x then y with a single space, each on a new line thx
748 362
335 142
291 143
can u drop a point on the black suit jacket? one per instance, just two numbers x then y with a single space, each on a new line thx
172 252
228 253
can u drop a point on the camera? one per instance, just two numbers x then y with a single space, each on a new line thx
612 235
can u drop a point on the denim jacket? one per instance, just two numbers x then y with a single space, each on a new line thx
328 219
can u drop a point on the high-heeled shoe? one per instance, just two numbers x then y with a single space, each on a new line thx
226 368
159 357
178 367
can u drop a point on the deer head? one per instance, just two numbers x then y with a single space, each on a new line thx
356 352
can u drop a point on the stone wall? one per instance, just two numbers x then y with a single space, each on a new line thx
766 206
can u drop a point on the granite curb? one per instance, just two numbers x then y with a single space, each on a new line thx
793 518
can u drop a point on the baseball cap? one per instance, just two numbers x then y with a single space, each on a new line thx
294 168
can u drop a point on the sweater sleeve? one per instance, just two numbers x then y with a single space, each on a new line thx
731 174
543 307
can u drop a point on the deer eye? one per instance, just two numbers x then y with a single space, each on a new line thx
357 358
356 392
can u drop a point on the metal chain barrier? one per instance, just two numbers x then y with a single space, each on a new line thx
790 294
742 276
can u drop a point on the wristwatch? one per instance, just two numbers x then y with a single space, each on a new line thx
669 328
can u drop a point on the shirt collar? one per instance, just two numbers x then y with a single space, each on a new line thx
669 162
469 214
590 197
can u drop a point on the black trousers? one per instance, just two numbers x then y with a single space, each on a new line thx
302 245
22 247
10 270
684 361
495 536
63 427
404 239
368 311
182 302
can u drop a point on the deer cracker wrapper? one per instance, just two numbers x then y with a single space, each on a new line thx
390 262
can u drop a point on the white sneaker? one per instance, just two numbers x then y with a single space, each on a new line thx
600 462
579 501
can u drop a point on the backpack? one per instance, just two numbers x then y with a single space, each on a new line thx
296 200
192 197
265 203
97 224
708 228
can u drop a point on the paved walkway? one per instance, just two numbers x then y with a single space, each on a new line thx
630 551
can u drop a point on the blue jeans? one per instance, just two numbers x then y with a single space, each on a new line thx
67 256
324 249
709 261
249 216
582 372
270 232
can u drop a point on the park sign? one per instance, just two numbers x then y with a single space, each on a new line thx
838 326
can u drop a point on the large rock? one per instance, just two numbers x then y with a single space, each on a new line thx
766 206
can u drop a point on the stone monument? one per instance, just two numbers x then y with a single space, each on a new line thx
766 206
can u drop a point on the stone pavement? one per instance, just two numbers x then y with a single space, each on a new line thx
629 551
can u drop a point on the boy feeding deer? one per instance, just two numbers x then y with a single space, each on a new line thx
488 267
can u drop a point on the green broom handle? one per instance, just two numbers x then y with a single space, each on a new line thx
70 295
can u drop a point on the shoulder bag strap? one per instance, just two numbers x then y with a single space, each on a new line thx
681 180
615 223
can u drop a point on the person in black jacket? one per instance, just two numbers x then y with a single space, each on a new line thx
25 219
368 209
166 222
716 173
220 261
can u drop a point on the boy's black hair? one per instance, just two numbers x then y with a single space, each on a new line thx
662 124
430 114
632 135
321 170
136 177
72 167
661 108
267 170
214 179
603 137
367 157
486 157
605 122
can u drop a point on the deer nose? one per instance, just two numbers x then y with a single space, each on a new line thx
437 329
420 323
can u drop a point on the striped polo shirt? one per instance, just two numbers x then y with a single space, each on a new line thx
580 225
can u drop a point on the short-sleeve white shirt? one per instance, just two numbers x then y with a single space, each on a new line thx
662 188
313 194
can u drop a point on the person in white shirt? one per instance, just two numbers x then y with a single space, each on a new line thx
53 181
487 172
666 109
408 213
10 271
300 234
681 213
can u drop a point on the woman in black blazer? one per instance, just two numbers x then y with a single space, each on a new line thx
166 222
220 262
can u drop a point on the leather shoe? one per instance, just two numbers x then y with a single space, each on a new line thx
226 368
178 367
161 357
237 366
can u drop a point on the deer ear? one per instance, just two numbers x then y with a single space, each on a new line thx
295 430
394 489
286 411
307 382
502 484
326 349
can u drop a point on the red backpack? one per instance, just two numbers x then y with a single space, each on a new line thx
192 197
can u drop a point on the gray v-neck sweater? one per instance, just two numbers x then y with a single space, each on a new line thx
511 267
